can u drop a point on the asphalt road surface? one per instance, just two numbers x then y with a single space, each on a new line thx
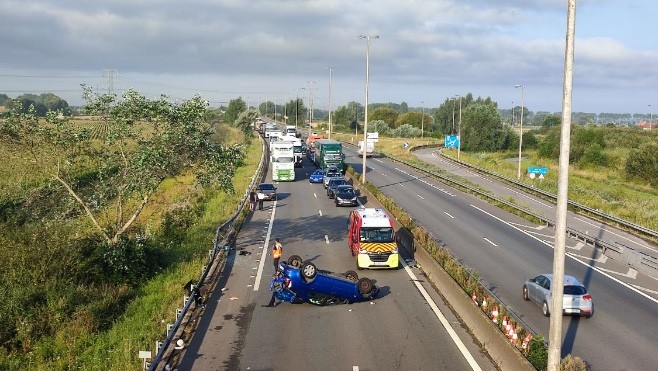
399 330
505 250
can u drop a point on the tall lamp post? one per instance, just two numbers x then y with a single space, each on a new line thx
330 70
422 120
365 122
650 117
310 109
518 174
459 130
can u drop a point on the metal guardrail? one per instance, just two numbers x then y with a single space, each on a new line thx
635 259
598 213
223 236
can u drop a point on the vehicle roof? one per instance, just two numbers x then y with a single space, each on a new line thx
568 280
337 179
374 217
344 188
266 185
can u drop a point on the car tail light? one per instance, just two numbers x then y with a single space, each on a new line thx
587 297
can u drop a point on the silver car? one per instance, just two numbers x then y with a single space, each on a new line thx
576 299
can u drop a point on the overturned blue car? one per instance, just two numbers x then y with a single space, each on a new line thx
304 283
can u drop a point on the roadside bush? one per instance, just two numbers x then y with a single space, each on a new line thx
538 353
642 164
593 156
570 363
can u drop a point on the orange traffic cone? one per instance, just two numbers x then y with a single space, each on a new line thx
526 340
484 304
474 297
494 314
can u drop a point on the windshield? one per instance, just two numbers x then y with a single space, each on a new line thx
297 149
377 234
345 192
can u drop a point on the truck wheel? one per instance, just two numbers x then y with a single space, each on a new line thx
351 275
365 286
295 261
308 271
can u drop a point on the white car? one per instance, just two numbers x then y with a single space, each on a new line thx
576 299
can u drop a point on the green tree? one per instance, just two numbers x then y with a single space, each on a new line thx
550 121
642 164
245 121
584 138
406 131
378 126
386 114
297 112
342 118
415 119
146 143
482 129
235 108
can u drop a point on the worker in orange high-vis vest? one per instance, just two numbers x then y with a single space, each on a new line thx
277 251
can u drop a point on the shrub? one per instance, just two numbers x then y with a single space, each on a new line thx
538 353
570 363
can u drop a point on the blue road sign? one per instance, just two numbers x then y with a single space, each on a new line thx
537 170
451 141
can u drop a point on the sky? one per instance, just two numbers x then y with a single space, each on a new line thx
277 50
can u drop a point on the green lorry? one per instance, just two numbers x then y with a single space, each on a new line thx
329 152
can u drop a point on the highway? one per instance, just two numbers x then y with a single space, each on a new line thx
399 330
505 250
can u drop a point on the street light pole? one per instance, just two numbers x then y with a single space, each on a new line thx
518 174
365 122
454 101
650 117
422 121
459 129
330 70
310 103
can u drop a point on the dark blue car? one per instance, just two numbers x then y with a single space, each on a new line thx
304 283
317 176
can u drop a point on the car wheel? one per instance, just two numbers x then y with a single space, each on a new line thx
544 309
525 293
351 275
295 261
365 286
308 271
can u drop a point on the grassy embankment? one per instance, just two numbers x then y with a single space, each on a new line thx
77 341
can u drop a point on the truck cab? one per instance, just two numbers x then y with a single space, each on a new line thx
371 238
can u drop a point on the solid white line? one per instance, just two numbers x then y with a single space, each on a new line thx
444 321
314 195
569 255
449 215
261 263
326 238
